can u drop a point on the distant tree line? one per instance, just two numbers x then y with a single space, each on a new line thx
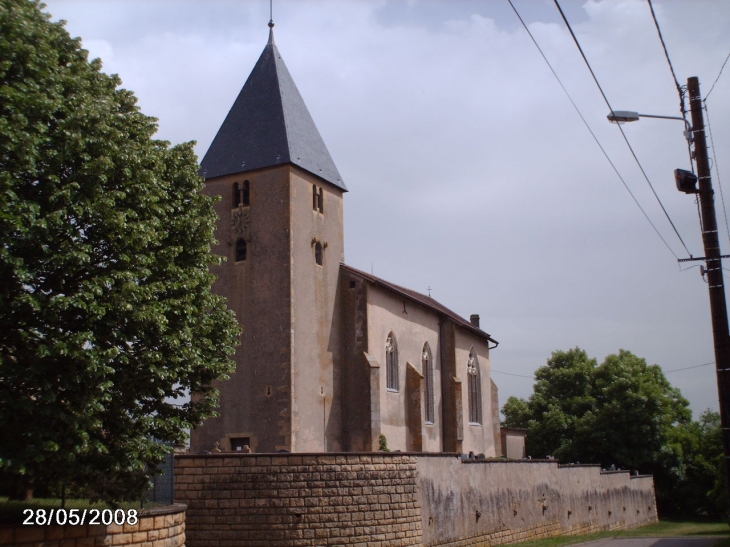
624 413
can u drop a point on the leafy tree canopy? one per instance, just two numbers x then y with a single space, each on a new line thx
106 307
700 483
624 413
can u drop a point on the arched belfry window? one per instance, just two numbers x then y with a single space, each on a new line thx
240 249
317 198
236 195
427 370
246 194
475 388
318 253
391 362
240 194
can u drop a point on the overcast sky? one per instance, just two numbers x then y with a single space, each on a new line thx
469 170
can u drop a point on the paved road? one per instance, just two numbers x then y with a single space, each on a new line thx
654 542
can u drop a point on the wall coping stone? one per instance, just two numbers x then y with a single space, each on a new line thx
310 454
163 510
508 460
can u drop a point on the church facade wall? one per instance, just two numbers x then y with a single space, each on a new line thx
386 499
478 434
316 384
357 411
373 314
412 326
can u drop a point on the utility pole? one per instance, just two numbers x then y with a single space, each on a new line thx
715 284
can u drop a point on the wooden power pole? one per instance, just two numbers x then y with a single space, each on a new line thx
710 239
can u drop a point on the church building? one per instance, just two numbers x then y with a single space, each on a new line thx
332 359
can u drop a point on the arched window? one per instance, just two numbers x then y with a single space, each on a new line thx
475 388
236 195
318 253
240 249
391 362
427 370
245 193
318 198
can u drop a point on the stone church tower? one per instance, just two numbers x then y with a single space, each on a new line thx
281 231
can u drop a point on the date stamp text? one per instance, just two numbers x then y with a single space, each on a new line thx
79 517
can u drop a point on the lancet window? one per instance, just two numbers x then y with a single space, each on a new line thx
241 194
427 369
317 198
318 258
246 197
236 195
475 388
240 249
391 363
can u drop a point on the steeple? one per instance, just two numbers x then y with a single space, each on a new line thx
268 125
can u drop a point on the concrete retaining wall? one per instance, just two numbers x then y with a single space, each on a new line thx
160 527
395 499
494 502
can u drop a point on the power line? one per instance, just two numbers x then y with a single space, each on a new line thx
592 133
595 79
717 168
665 372
511 374
687 368
718 76
680 89
666 54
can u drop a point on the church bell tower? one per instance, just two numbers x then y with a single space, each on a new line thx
280 230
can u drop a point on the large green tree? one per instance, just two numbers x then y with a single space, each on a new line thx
107 319
700 487
620 413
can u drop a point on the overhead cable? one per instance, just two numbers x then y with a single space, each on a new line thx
595 79
717 169
687 368
591 132
511 374
680 90
718 77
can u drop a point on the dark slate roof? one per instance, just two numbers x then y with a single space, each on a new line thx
420 299
268 125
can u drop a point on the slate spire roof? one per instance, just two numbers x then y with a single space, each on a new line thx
268 125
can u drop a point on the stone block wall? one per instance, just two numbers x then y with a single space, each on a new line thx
299 499
160 527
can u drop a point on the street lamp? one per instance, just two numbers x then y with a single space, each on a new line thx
686 180
623 116
721 334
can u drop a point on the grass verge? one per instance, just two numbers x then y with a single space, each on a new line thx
669 527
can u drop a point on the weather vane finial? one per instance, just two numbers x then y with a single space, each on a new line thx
271 13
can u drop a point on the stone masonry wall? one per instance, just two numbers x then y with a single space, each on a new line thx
160 527
398 499
299 499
